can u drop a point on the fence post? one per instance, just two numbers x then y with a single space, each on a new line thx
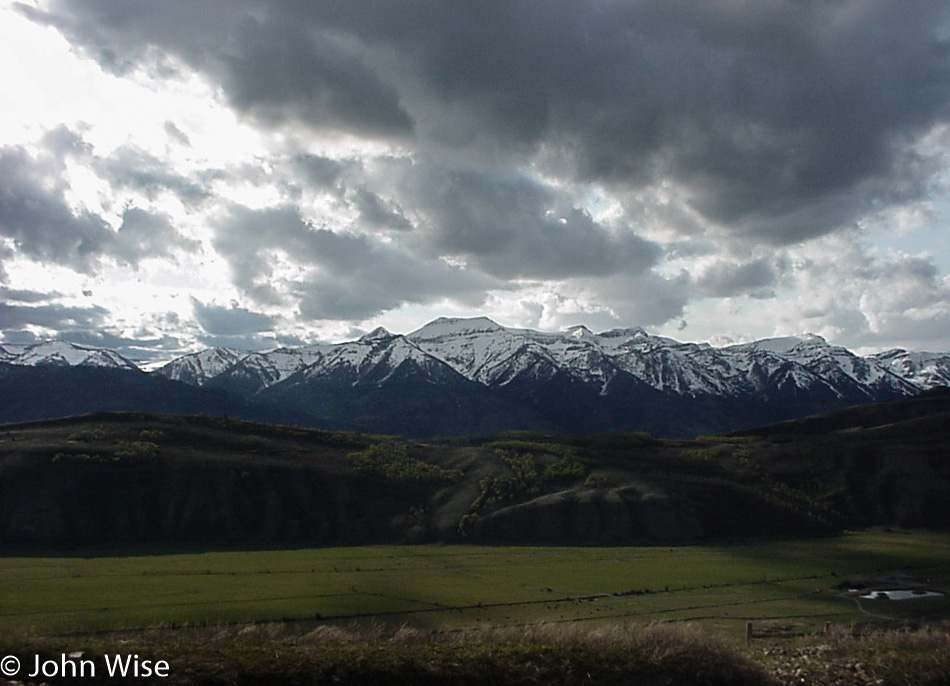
748 633
827 628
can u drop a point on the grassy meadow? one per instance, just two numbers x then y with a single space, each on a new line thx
449 588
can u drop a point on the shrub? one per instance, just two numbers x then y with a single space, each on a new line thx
568 467
97 434
140 451
528 478
81 458
392 461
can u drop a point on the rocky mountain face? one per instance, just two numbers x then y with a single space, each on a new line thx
474 376
927 370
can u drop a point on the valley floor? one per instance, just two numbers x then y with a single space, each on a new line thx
473 614
805 582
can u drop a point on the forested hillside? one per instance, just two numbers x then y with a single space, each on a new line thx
129 479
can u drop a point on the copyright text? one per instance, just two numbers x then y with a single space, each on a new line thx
73 665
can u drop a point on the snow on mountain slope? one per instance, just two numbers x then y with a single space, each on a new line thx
579 354
829 361
64 354
766 373
668 365
7 354
374 358
780 345
494 356
350 358
447 327
479 349
924 369
259 370
197 368
848 373
491 354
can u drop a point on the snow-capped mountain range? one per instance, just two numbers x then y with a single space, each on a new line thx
492 355
460 375
63 354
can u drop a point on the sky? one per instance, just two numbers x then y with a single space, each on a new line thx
260 173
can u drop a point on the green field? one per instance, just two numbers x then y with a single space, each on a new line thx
450 587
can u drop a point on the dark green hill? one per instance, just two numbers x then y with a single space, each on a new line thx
928 404
131 480
46 391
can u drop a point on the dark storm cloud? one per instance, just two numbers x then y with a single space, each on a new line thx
145 234
781 119
376 212
346 276
230 321
132 168
271 68
317 170
284 72
83 325
36 216
723 279
776 120
646 299
233 326
24 296
512 226
53 316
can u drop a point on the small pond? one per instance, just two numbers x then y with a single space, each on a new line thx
901 595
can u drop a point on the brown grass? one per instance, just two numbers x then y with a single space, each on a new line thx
555 654
865 657
537 654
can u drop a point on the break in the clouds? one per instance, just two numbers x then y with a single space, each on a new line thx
705 168
37 218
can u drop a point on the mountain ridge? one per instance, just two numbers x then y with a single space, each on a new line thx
575 380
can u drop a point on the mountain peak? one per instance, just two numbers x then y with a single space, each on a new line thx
581 333
196 368
784 344
380 333
454 326
635 333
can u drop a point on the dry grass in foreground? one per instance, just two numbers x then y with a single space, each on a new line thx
905 657
546 654
550 654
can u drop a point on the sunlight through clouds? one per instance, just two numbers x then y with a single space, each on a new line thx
705 170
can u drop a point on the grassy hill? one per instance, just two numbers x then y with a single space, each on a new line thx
115 480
